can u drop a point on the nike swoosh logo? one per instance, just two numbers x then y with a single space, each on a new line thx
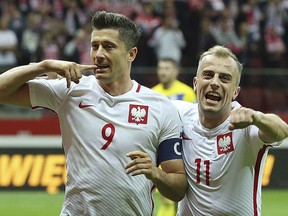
84 105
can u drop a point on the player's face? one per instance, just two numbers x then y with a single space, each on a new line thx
166 72
111 56
216 86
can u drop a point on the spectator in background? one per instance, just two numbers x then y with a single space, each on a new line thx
206 38
31 39
275 12
49 47
8 44
73 14
74 17
251 14
248 26
77 49
167 72
275 47
148 21
54 37
17 22
225 34
274 31
168 40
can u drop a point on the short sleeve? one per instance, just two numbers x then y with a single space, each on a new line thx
171 123
47 93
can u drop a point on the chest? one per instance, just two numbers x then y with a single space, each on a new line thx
114 124
211 160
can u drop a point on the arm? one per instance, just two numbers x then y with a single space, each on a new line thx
171 180
13 83
271 127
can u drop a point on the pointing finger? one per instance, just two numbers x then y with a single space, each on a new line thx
86 67
68 79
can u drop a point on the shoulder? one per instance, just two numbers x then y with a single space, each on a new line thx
143 90
42 81
187 111
155 98
86 82
184 105
88 79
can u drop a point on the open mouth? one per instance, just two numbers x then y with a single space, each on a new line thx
213 96
101 68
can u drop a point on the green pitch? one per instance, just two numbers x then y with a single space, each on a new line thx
40 203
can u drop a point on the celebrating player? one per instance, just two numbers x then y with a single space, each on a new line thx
224 145
114 131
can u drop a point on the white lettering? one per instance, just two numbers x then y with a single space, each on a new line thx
175 148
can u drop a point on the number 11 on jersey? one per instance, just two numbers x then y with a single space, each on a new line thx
198 170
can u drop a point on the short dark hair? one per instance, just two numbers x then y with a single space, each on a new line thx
128 30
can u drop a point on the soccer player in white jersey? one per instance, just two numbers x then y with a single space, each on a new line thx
114 131
224 145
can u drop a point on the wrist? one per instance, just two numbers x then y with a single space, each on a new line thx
257 117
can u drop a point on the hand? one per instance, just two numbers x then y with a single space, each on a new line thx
50 75
141 164
243 117
70 70
53 75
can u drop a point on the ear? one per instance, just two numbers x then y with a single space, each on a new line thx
195 84
236 92
132 54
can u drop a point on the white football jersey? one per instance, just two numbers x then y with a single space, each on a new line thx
224 167
98 130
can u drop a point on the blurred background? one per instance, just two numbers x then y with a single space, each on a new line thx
32 164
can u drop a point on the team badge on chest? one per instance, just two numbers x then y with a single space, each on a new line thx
225 143
138 114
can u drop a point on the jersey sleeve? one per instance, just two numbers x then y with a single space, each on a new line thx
170 146
186 110
47 93
255 140
171 123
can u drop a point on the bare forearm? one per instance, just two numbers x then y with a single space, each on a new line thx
171 185
272 127
15 78
171 180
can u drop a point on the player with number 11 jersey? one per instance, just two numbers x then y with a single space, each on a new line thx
224 167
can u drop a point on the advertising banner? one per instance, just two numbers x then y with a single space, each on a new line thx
38 163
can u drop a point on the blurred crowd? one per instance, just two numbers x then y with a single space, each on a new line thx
256 30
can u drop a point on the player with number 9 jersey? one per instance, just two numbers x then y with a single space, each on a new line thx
98 130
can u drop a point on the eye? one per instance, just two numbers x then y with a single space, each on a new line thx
208 75
95 46
225 78
109 46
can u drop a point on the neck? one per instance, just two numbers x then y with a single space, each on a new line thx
210 123
168 85
117 88
212 119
